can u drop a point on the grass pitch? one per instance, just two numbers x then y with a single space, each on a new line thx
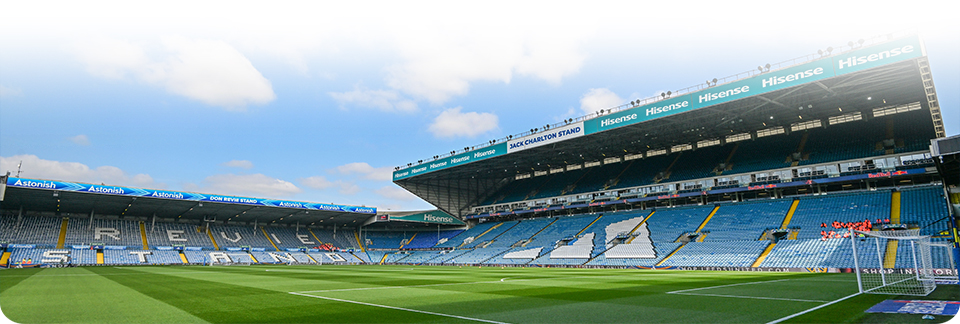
420 294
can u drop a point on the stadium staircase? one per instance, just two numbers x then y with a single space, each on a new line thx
268 239
183 257
670 255
581 231
212 240
803 143
635 228
143 236
763 255
5 259
615 181
360 260
63 232
319 242
895 208
406 242
789 216
356 236
99 257
481 234
890 256
706 220
726 163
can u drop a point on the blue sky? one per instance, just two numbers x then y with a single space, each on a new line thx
319 101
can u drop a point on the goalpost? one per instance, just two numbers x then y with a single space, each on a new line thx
899 262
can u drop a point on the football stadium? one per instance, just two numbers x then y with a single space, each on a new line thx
819 189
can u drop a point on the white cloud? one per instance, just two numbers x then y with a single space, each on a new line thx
396 193
6 92
443 54
366 171
249 184
321 183
597 99
209 71
453 123
35 167
348 188
316 182
242 164
384 100
80 140
440 62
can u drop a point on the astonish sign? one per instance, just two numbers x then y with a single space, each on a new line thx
174 195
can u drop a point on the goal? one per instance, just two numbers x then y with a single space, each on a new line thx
898 262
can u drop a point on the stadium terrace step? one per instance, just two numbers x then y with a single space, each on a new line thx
763 255
790 212
268 238
63 232
890 256
212 240
143 236
670 255
705 221
895 207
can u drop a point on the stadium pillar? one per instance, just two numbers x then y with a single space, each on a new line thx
91 219
153 222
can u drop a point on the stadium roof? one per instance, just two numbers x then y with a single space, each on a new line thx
857 80
78 199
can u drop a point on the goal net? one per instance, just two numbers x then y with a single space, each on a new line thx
894 262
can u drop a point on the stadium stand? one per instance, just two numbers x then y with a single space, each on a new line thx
106 231
285 237
842 207
926 206
170 234
741 221
425 240
718 254
40 230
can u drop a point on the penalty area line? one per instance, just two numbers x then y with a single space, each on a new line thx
730 285
398 308
810 310
753 297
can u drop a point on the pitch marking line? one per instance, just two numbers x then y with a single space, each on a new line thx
399 308
730 285
756 297
810 310
685 292
433 285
